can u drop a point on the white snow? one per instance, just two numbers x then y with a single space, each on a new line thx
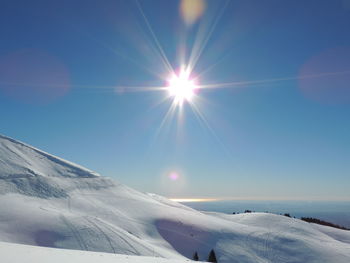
46 201
15 253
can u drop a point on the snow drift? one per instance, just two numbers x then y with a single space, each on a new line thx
47 201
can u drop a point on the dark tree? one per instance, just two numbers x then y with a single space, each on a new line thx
321 222
195 256
287 215
212 256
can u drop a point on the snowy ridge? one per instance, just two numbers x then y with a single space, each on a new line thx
34 161
46 201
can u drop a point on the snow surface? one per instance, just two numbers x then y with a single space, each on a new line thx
16 253
46 201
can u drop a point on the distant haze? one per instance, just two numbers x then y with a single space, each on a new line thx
334 212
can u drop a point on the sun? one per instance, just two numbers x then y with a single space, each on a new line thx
181 87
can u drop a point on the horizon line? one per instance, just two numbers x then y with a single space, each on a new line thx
213 199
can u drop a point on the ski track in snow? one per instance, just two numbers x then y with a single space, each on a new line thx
47 200
75 233
102 232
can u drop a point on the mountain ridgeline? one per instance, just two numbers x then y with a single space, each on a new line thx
47 201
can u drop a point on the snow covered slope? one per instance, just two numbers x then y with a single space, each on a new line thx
16 253
47 201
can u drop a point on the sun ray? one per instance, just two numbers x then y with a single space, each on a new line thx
204 122
120 54
168 116
241 83
160 49
201 41
133 89
213 65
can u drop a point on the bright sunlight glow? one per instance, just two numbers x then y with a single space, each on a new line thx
181 87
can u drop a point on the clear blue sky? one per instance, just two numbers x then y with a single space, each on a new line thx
63 66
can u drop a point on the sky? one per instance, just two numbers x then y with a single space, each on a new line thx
268 119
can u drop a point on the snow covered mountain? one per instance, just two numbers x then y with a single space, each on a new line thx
47 201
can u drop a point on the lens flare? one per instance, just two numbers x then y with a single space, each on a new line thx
181 87
192 10
173 176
